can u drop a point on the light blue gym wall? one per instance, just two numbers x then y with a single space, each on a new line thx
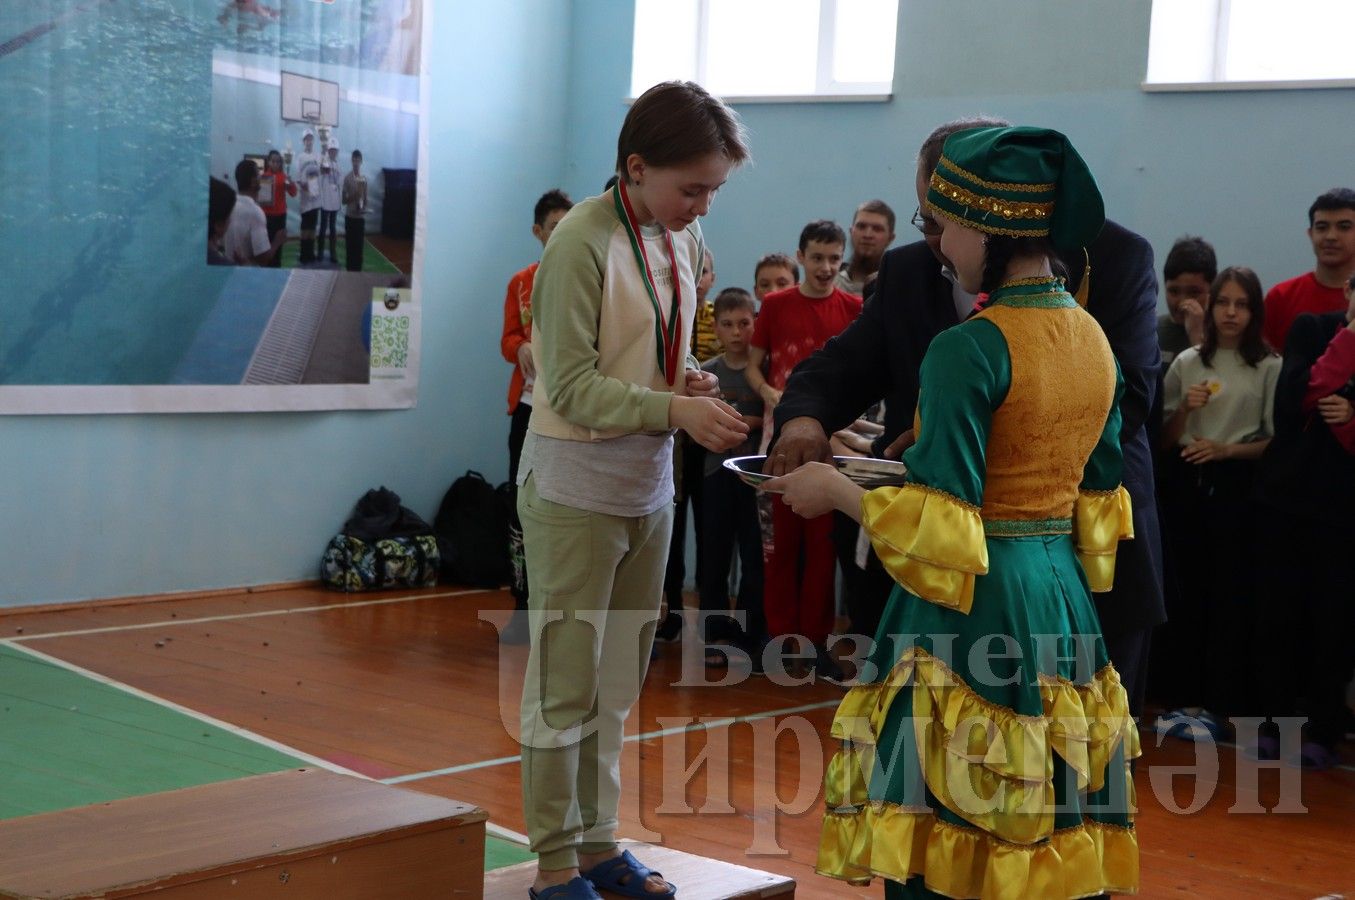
105 506
1238 167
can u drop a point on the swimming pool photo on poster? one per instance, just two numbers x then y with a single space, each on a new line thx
118 114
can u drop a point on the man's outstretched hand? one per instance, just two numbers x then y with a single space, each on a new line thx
802 440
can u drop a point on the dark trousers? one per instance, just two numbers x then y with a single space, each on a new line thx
276 224
864 591
689 458
1201 655
1129 652
1306 616
308 235
328 229
729 518
354 239
517 433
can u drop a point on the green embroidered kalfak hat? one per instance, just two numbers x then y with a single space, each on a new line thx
1022 182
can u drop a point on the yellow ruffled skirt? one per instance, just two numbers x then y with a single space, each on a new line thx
987 754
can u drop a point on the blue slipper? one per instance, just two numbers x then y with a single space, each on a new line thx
577 888
625 876
1203 727
1313 757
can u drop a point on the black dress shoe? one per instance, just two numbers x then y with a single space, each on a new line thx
670 629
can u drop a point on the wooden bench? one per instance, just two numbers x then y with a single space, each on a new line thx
696 877
299 834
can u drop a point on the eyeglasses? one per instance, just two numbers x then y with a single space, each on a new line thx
925 224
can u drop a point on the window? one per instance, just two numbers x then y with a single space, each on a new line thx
768 49
1250 43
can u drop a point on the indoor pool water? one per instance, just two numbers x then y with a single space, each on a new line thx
104 152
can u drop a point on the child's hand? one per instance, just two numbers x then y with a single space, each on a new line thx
849 443
1197 396
770 395
525 359
1203 450
711 423
1335 410
701 383
815 489
1192 317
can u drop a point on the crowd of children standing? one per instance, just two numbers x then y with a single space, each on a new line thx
1256 478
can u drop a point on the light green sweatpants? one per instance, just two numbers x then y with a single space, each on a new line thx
596 585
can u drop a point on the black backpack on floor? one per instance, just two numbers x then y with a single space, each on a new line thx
472 529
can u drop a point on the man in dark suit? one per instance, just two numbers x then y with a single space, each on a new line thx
880 356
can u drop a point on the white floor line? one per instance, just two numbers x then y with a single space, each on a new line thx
507 834
192 713
169 623
724 722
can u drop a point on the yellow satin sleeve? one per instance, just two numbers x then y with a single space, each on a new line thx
931 542
1101 519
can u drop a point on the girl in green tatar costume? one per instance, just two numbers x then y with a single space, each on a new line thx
986 751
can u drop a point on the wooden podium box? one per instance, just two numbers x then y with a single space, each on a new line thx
299 834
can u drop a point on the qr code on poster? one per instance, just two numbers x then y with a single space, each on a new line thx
390 342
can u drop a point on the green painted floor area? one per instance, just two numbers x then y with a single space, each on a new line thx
499 854
66 741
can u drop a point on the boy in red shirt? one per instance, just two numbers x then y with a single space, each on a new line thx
792 324
1331 228
516 346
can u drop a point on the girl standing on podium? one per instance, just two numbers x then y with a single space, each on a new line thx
612 308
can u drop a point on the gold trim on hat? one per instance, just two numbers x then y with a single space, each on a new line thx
1007 209
983 225
996 185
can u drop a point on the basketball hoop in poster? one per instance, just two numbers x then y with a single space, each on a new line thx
310 100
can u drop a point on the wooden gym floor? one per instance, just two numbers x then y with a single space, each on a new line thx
412 688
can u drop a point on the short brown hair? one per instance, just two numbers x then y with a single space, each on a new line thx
678 121
778 261
825 231
879 208
929 155
732 298
550 201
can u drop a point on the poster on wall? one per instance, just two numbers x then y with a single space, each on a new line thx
211 205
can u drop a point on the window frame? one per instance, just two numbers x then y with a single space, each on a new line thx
826 88
1223 19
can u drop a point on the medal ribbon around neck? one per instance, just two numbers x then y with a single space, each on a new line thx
666 332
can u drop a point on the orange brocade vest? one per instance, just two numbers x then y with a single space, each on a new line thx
1043 434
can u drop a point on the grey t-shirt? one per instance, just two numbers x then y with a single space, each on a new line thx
735 391
629 476
1171 338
